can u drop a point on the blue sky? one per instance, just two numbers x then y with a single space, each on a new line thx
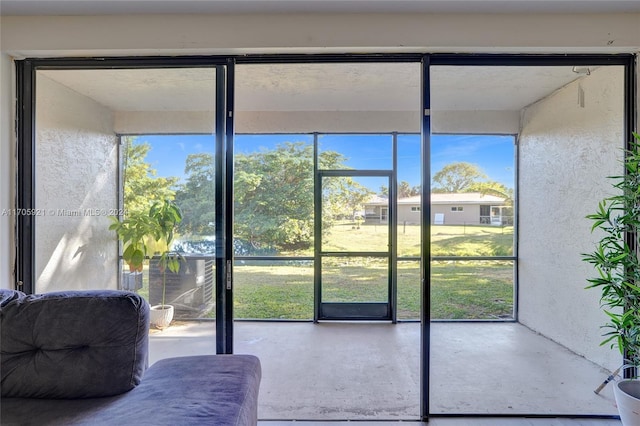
493 154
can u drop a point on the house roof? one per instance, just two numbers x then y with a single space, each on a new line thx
442 198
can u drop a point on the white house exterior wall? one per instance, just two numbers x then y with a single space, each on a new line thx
408 216
470 215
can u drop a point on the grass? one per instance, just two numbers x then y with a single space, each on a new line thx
459 289
454 240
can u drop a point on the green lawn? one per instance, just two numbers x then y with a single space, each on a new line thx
445 240
459 289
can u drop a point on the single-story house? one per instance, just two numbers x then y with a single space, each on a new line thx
466 208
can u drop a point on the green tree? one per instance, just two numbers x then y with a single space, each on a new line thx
457 177
273 194
141 185
343 198
196 196
404 190
492 188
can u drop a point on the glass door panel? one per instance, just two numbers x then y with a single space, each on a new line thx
110 144
185 161
299 126
77 187
273 229
517 298
355 279
345 281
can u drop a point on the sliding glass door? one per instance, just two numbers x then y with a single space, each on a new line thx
403 219
315 165
109 145
513 154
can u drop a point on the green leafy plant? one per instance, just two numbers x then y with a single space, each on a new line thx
164 218
158 223
616 259
133 232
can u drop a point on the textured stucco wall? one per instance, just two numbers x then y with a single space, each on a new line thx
7 165
306 33
166 122
566 153
76 166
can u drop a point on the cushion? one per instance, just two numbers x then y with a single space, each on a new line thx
74 344
220 390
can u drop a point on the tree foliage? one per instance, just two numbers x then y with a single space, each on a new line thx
196 196
274 189
141 185
405 190
274 196
492 188
457 177
343 198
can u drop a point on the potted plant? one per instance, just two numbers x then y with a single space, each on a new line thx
133 231
617 262
136 232
164 217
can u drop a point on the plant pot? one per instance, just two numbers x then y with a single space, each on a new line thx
160 316
627 394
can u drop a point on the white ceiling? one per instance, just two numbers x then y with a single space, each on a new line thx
319 87
117 7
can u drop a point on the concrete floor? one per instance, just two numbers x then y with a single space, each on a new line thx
370 371
493 421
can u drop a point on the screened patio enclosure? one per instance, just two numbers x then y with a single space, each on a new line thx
391 194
